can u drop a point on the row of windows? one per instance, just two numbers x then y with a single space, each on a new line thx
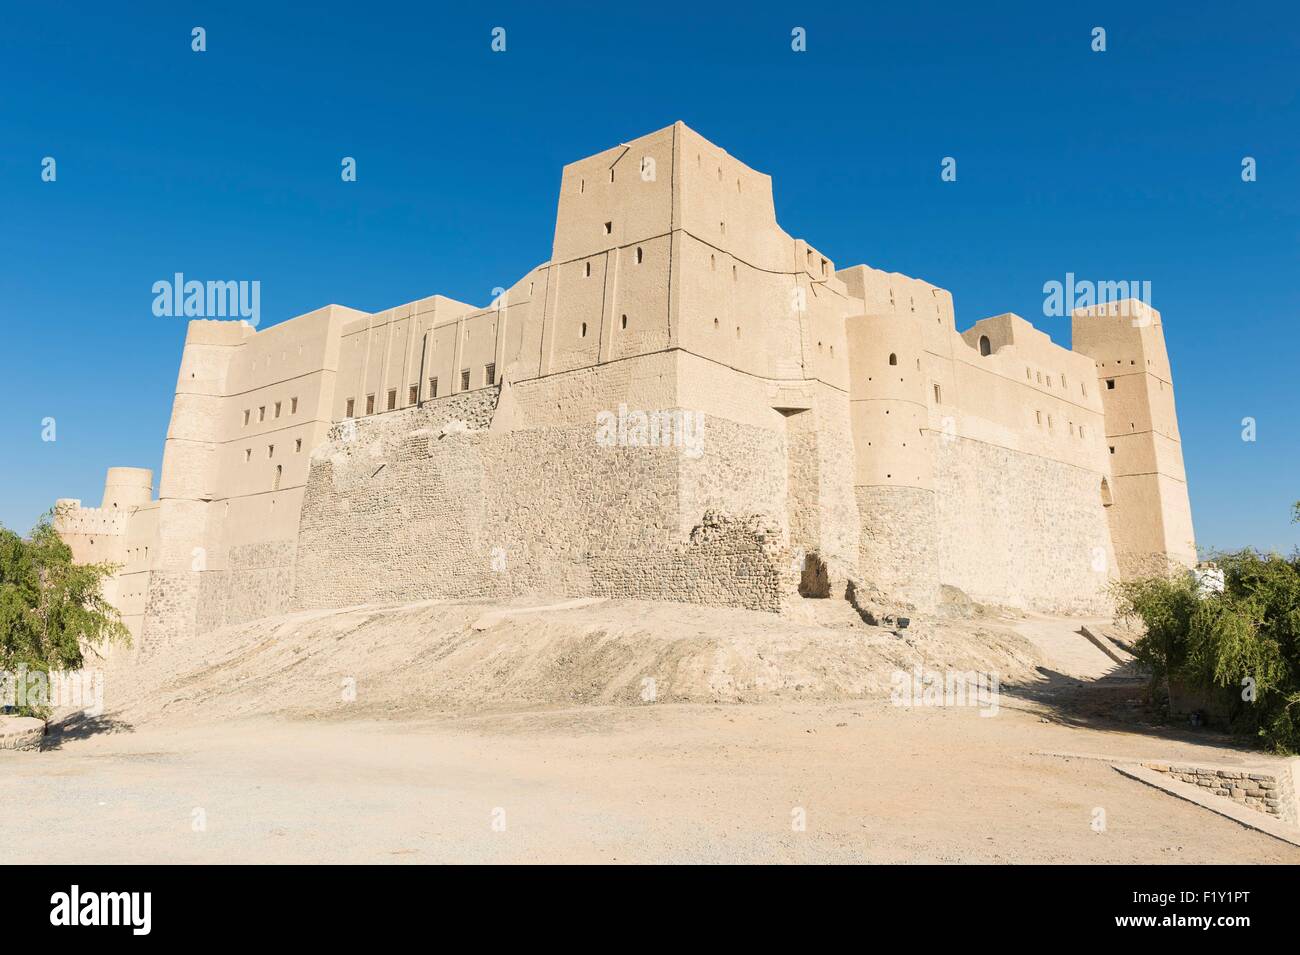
1081 431
413 391
722 227
270 450
809 253
1120 361
640 258
277 408
582 333
646 172
1047 380
911 302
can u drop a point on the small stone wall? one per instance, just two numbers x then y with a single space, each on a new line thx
1271 793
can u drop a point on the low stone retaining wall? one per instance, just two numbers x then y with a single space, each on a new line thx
21 732
1268 792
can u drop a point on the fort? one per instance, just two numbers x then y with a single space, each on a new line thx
844 433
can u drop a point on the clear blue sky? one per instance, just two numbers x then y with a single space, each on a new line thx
225 164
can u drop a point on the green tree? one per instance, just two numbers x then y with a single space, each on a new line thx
1241 645
51 610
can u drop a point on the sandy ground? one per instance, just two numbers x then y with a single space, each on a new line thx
229 774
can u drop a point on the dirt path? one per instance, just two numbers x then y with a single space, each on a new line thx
657 783
1065 650
239 746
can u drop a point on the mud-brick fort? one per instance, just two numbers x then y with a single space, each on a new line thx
783 425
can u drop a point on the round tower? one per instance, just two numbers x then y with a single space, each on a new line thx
893 480
125 488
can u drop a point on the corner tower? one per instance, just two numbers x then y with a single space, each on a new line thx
1149 512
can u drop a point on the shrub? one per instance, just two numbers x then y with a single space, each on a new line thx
51 609
1242 646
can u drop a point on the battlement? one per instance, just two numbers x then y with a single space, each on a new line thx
1121 308
216 331
74 519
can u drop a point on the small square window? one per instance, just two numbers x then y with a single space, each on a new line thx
1110 384
392 398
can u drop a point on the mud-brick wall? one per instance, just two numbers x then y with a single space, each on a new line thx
413 505
1020 530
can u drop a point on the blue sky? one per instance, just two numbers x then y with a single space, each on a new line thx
225 164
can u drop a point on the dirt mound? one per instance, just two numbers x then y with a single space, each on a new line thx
414 660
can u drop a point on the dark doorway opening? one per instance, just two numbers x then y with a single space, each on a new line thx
815 581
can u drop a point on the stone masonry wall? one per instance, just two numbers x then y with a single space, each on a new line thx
416 504
898 542
1020 530
1267 792
169 609
257 582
